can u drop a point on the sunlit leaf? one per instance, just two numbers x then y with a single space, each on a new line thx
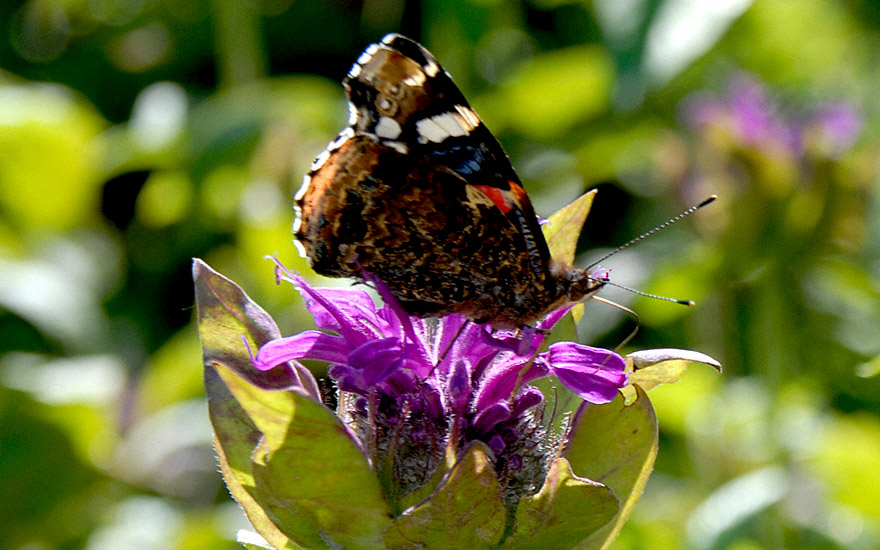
847 459
226 317
564 513
465 512
242 413
564 228
235 436
317 485
554 92
653 367
614 444
562 233
50 157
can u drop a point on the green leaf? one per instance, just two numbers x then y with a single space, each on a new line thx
465 512
241 413
235 436
562 234
614 444
565 512
540 100
251 540
51 157
284 456
653 367
564 228
226 315
318 478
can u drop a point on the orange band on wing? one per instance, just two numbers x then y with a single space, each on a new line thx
496 196
518 192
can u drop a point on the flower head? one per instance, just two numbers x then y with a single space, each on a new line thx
440 438
749 112
413 388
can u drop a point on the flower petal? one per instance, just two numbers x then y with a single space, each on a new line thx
489 417
391 304
550 320
458 339
353 302
595 374
332 312
505 377
529 397
458 386
376 360
311 344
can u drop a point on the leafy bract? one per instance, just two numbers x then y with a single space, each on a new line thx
465 512
562 231
563 228
654 367
565 512
318 481
614 444
286 458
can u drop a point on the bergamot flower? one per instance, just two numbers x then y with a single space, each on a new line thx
443 434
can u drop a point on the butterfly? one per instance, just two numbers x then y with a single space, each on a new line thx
417 192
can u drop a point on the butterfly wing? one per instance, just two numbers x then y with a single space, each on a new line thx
417 191
400 93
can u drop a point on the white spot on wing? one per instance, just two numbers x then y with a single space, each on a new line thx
469 116
303 189
452 123
432 68
343 136
387 128
398 146
297 220
415 79
368 54
355 71
431 131
322 158
301 249
352 114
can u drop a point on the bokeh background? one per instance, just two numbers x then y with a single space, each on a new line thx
138 134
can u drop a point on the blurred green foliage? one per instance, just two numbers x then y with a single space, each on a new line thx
136 135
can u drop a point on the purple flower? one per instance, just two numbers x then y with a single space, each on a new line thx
413 388
838 125
750 113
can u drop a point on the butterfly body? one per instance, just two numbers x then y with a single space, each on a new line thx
419 193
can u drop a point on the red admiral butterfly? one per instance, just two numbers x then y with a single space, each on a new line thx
418 192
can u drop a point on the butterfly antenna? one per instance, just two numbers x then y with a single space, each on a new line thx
663 225
649 295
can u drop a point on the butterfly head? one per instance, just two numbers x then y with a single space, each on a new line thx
577 285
